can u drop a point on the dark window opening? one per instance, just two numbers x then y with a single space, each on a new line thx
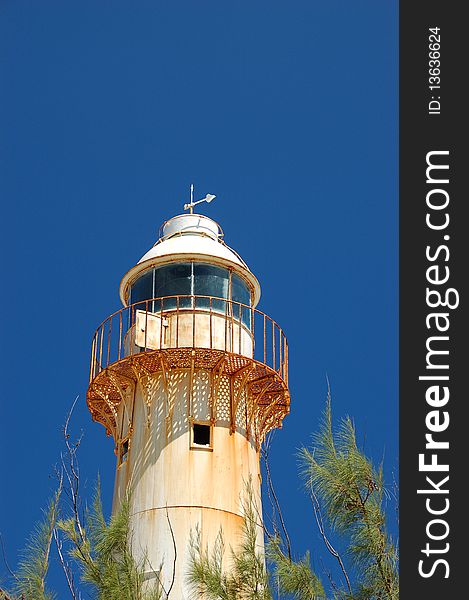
124 450
201 434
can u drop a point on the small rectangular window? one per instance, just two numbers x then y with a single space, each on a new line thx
124 451
201 435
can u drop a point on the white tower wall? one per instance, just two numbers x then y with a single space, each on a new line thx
181 486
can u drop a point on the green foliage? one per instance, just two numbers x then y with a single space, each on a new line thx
350 491
245 579
294 577
104 553
29 580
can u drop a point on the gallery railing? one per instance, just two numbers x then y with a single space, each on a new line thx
173 322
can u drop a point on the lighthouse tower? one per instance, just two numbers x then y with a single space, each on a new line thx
188 378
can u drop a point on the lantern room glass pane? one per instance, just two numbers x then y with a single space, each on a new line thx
142 289
174 280
240 291
211 281
188 279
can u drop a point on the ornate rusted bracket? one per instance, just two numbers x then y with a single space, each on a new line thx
255 412
125 392
190 415
142 375
215 377
110 423
241 376
169 402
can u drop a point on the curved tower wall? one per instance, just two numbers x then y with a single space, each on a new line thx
177 484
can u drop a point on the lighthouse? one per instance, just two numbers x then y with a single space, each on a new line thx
188 377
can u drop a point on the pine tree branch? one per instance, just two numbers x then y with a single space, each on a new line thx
277 504
66 568
5 561
72 471
175 553
378 557
331 549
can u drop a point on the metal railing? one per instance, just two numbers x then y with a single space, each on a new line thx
177 322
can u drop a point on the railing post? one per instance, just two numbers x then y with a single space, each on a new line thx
92 365
226 322
193 320
146 325
109 332
232 327
101 348
177 321
286 362
273 346
161 323
211 342
132 329
120 336
280 346
239 330
253 336
265 342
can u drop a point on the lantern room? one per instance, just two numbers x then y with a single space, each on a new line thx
190 259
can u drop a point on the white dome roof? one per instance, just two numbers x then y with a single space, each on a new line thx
190 237
192 234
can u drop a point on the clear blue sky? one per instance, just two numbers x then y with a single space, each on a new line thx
108 111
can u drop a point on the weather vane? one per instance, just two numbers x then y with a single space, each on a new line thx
208 198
